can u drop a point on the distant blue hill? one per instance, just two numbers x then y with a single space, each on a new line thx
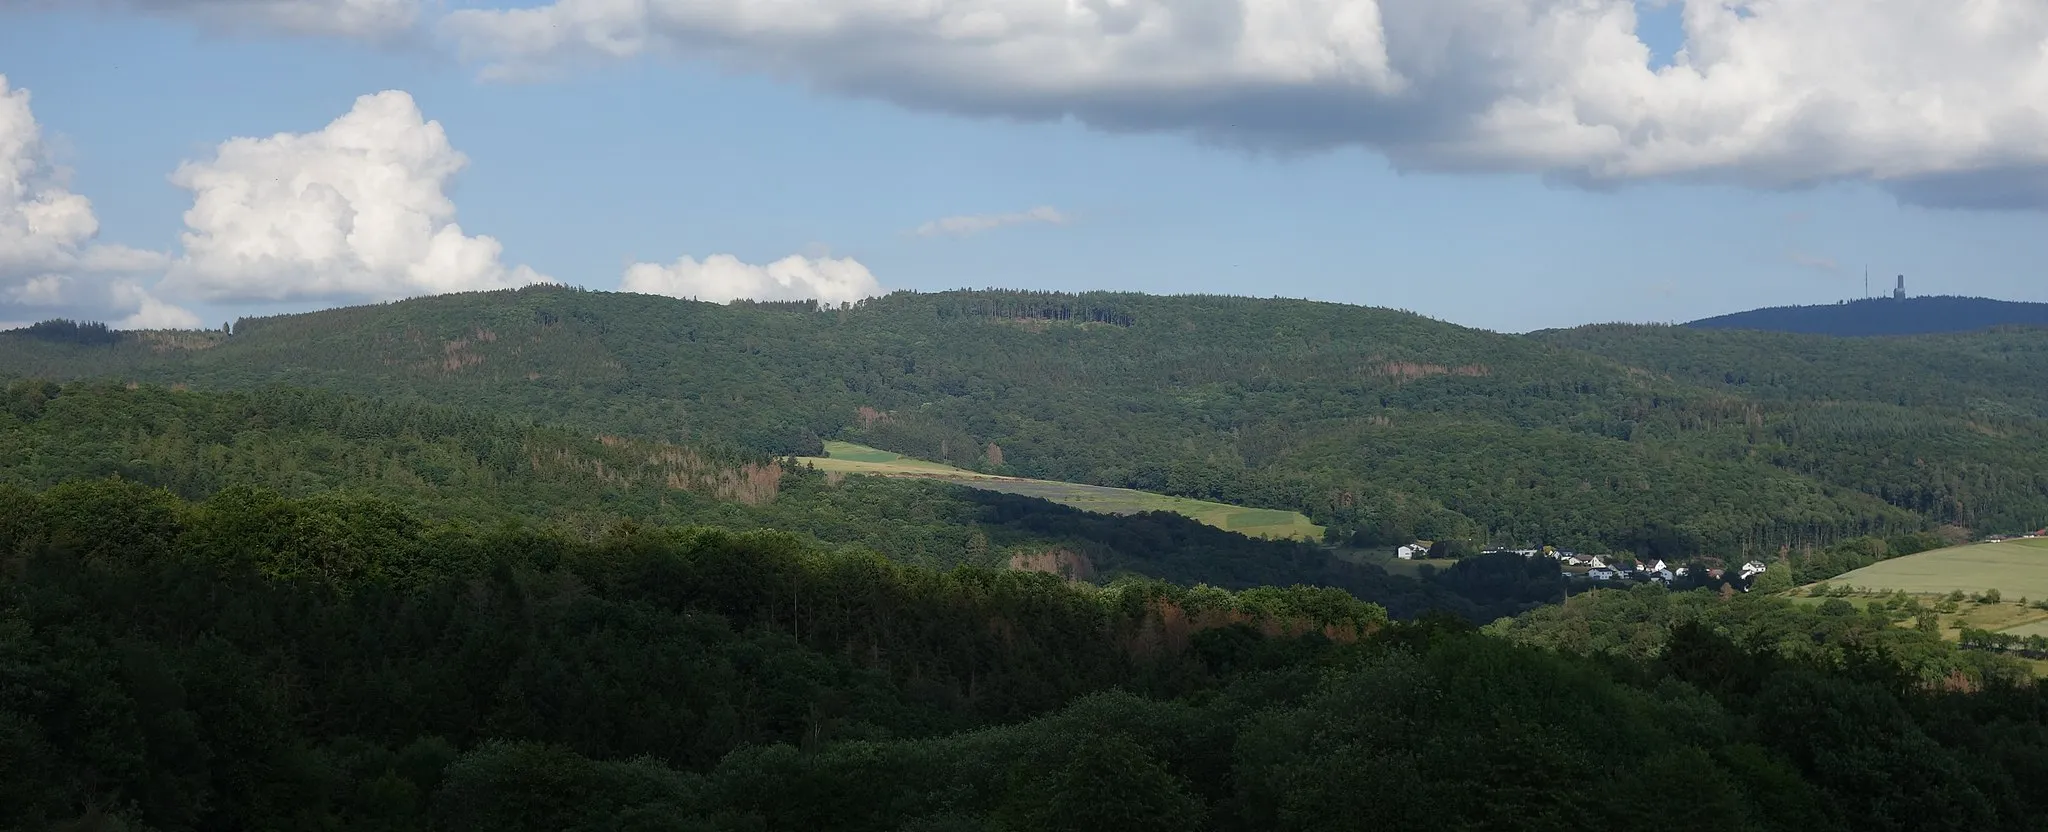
1886 316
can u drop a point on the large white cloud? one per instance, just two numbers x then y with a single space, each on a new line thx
357 210
50 264
722 277
374 19
1944 101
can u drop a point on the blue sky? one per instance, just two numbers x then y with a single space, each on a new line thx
654 159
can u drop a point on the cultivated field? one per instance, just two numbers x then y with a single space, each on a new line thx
2016 568
848 458
2037 628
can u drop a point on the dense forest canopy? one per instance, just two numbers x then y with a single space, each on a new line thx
456 465
1385 425
1886 316
256 662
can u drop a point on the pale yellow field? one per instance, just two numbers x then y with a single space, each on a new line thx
2016 568
848 458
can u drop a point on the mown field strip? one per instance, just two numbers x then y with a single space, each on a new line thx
848 458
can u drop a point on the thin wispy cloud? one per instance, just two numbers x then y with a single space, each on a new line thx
1814 261
976 223
364 19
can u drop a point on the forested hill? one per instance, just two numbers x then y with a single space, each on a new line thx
1383 425
1886 316
486 472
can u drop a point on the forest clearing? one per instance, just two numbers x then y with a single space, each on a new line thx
849 458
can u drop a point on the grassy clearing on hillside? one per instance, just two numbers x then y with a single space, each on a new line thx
848 458
2035 628
2016 568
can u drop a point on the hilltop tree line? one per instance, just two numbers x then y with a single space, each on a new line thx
67 331
1886 316
1374 422
256 662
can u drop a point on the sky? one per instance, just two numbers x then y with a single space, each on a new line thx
1504 164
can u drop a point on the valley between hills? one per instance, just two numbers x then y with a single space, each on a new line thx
561 559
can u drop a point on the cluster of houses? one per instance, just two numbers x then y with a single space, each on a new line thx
1656 570
1604 568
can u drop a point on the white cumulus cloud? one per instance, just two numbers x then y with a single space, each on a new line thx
977 223
1942 101
50 263
373 19
357 210
150 312
723 277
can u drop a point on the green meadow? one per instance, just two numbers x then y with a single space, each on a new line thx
848 458
2016 568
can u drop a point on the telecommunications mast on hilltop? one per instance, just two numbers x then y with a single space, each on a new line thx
1900 293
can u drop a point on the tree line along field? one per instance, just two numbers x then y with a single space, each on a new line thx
850 458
